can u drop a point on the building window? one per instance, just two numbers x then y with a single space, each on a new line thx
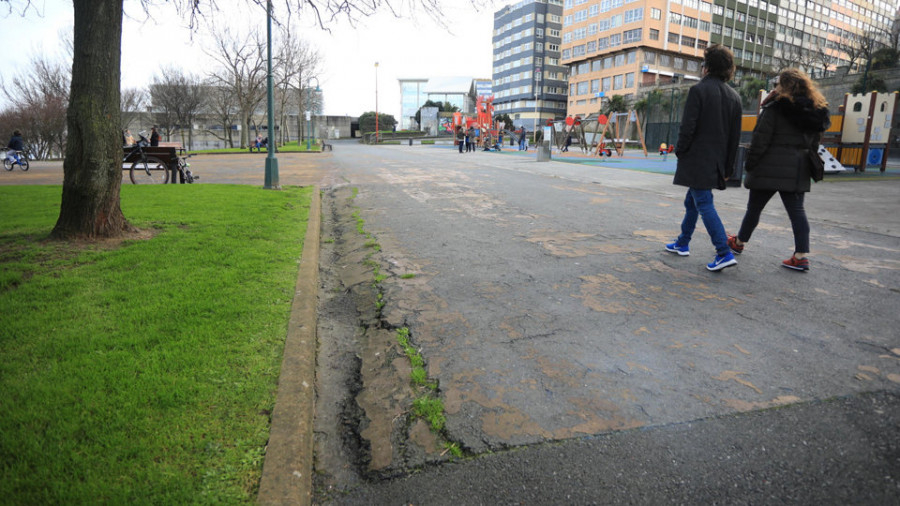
634 15
617 82
654 34
620 60
583 88
629 80
606 83
655 13
631 36
595 85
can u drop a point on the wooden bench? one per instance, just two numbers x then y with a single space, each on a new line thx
177 145
166 154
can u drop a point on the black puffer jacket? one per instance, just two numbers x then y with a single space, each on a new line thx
778 158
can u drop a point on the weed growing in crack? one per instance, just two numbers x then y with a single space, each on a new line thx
432 410
408 275
360 223
453 448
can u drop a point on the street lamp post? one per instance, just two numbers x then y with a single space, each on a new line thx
376 102
271 178
311 130
537 114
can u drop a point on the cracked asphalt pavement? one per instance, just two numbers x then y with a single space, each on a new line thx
546 308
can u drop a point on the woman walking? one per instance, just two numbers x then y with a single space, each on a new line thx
789 128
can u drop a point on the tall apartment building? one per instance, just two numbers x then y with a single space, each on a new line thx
529 81
624 47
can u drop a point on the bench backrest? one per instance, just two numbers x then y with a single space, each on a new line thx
169 155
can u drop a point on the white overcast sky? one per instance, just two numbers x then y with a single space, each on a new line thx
404 48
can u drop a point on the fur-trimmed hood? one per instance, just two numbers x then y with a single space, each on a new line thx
802 113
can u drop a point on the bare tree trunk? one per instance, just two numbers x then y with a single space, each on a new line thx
93 161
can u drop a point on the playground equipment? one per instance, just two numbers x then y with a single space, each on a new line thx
865 129
620 137
483 120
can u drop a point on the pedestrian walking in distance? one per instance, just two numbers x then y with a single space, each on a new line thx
787 134
706 150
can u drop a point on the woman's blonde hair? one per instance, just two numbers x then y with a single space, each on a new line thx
794 82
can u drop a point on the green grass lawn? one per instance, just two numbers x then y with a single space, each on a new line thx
291 147
144 372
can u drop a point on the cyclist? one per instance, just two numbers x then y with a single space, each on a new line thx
15 145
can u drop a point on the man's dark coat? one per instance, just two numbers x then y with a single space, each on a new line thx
709 135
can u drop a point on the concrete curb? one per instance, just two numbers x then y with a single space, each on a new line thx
287 471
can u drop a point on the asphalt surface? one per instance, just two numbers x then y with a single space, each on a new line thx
581 364
565 340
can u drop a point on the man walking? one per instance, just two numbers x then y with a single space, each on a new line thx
706 149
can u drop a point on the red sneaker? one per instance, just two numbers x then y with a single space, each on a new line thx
733 244
797 264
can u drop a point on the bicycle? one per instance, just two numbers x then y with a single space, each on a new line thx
21 160
145 169
184 170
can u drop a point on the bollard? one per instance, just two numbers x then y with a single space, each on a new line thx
543 151
410 141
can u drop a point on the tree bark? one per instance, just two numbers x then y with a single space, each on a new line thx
93 162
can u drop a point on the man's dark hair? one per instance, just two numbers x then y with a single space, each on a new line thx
719 62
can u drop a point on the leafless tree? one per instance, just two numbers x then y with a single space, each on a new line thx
788 56
296 65
220 102
243 71
39 96
134 103
859 49
824 60
176 100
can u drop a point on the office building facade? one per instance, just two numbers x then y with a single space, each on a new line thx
622 47
529 80
412 97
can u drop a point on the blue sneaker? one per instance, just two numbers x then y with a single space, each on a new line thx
679 250
721 262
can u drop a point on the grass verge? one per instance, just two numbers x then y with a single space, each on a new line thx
292 147
144 372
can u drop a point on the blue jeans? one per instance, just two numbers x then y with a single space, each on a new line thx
700 203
